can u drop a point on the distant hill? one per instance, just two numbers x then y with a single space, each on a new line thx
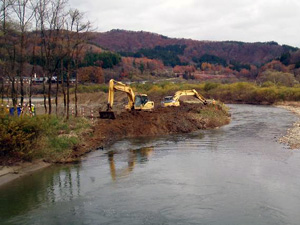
146 44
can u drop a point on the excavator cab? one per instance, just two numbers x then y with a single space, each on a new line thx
167 101
142 102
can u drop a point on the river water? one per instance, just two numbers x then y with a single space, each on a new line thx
237 174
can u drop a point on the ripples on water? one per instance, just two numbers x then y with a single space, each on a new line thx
237 174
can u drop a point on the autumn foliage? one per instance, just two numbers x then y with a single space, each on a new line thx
247 53
184 69
90 74
130 64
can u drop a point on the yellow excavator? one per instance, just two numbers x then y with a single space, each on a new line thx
135 102
174 100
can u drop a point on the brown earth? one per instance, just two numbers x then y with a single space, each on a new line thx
161 121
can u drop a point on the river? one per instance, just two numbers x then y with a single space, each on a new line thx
236 175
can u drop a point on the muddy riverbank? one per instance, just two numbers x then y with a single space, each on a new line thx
10 173
162 121
187 118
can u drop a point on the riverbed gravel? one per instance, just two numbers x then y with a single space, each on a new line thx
292 138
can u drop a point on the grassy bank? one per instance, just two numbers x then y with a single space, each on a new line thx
242 92
41 137
215 115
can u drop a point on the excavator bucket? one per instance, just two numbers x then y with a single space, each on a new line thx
107 115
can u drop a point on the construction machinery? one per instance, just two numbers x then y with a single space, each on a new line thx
135 101
174 100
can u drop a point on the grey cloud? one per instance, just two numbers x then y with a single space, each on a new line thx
242 20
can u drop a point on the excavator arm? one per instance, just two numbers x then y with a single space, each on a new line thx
112 87
200 97
115 85
178 94
192 92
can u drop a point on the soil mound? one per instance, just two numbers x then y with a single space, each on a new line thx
161 121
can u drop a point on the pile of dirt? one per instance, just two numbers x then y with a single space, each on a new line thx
161 121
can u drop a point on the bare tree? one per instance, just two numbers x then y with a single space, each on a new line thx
59 35
9 47
75 26
3 8
34 53
51 14
40 15
81 35
24 14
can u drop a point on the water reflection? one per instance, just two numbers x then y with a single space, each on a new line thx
237 174
134 156
57 184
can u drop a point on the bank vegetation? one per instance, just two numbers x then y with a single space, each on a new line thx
44 137
239 92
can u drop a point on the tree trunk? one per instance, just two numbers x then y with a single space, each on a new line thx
30 90
44 93
13 96
22 68
68 92
2 93
63 85
22 89
7 94
33 67
76 83
49 95
56 97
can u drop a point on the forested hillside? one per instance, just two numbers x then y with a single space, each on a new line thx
146 44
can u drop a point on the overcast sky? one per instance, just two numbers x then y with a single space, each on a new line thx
239 20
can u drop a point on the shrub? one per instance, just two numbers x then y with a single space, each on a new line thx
42 136
268 84
279 78
209 86
267 95
18 136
